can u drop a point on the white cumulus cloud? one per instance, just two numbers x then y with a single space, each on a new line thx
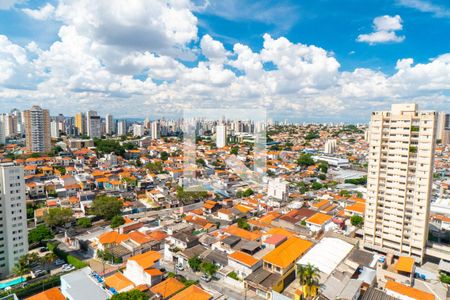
43 13
385 28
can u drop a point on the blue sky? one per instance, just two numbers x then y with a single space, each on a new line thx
334 54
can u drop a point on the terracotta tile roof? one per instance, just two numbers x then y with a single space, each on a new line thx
146 260
405 264
192 293
319 219
50 294
157 235
280 231
118 281
112 237
139 237
242 233
243 258
288 252
153 272
410 292
168 287
358 207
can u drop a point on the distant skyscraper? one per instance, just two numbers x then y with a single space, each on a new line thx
399 181
54 129
37 129
147 123
221 136
93 128
2 132
80 123
121 128
13 227
9 124
18 119
109 124
138 130
443 127
156 130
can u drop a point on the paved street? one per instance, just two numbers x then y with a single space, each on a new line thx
217 285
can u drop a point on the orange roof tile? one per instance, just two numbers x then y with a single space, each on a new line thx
118 281
192 293
358 207
167 287
319 219
153 272
288 252
280 231
405 264
146 260
112 237
243 258
139 237
408 291
242 233
50 294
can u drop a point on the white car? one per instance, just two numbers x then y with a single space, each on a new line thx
59 262
67 268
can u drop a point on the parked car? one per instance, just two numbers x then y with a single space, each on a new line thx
59 262
67 268
43 249
38 273
205 278
180 267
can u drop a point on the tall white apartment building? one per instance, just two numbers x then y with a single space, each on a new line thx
138 130
330 147
37 130
54 129
399 180
221 136
13 220
121 128
156 130
109 124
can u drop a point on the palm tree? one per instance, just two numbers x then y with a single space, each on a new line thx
308 277
47 259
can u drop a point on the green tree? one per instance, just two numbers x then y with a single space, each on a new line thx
247 193
194 263
322 176
356 220
208 268
323 166
116 221
58 216
360 181
131 295
308 276
84 222
22 266
108 146
156 167
234 150
316 185
164 155
47 260
305 160
243 224
39 233
106 207
201 162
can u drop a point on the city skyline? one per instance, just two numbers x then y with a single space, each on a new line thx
308 65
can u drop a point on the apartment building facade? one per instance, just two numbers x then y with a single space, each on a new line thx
37 130
399 181
13 220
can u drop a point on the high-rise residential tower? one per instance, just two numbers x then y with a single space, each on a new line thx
399 181
156 130
37 129
122 128
80 123
221 136
13 220
109 124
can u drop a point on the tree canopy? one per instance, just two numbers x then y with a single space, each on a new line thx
39 233
106 207
116 221
131 295
58 216
356 220
305 160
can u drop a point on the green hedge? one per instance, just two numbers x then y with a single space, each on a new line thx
35 287
70 259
